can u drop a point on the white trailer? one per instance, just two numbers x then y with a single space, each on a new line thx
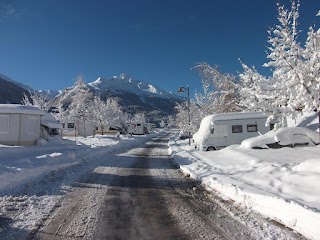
220 130
149 127
20 124
137 128
109 130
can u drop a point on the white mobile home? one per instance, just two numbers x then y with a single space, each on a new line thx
77 127
109 130
19 124
137 128
149 127
220 130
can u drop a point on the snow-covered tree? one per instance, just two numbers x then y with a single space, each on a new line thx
59 112
36 99
285 54
294 84
79 108
182 116
220 89
310 71
114 113
139 117
171 121
255 91
220 94
125 117
162 123
99 111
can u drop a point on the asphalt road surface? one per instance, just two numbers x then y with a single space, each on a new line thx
140 194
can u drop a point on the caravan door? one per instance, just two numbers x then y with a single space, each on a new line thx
221 133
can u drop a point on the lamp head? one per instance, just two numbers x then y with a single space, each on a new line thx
180 89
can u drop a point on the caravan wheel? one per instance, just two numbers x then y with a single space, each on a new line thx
211 148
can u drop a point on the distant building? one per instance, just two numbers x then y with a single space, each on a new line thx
77 127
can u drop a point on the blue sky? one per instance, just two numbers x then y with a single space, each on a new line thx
46 43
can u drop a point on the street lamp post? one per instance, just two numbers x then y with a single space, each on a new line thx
181 90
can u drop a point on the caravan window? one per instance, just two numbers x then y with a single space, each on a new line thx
252 128
70 125
212 130
236 128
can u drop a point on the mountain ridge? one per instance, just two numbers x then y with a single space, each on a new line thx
133 95
126 83
11 92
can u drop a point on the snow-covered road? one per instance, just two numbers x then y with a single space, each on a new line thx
107 187
139 194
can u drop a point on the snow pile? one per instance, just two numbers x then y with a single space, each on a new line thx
19 109
283 136
281 184
204 129
93 142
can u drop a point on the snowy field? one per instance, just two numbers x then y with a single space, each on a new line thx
281 184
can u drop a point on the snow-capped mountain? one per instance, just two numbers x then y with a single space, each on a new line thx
136 96
124 83
133 95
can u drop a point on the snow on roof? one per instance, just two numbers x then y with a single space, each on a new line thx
20 109
237 115
49 121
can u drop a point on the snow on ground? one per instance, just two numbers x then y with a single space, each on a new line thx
281 184
33 179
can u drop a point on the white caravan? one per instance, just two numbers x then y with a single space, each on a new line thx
149 127
220 130
137 128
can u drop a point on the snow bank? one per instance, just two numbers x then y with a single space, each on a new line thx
281 184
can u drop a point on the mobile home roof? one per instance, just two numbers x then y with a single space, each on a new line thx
237 115
20 109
